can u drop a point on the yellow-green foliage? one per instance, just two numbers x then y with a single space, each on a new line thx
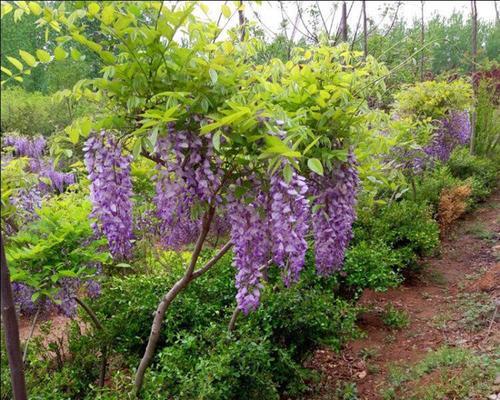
432 99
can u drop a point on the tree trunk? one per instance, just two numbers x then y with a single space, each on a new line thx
365 31
9 319
343 22
473 69
241 16
422 40
180 285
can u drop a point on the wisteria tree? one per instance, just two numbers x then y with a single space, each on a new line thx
263 155
440 110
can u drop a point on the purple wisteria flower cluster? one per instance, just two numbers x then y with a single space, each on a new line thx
110 191
289 219
268 221
451 132
45 169
26 147
334 203
250 236
62 303
27 200
190 174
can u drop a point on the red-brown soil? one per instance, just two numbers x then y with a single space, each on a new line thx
468 263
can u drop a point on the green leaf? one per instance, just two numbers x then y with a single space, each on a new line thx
18 78
6 71
93 9
108 15
85 126
216 140
35 8
6 8
74 134
288 173
213 75
16 63
75 54
227 120
167 117
60 54
43 56
136 150
153 137
107 57
123 265
226 11
67 273
315 166
28 58
35 296
18 14
276 146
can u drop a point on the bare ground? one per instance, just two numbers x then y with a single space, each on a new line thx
436 302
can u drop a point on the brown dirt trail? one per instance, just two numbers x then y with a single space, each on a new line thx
467 264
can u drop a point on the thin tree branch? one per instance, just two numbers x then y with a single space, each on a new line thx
32 329
311 34
104 347
212 261
234 316
398 5
295 25
356 31
153 158
323 20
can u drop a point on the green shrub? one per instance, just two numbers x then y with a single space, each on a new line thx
482 172
263 357
215 365
406 227
34 113
433 99
198 357
487 134
306 315
371 265
432 183
138 296
56 246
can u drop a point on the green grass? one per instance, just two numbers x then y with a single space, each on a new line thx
479 231
453 373
476 310
367 353
347 391
394 318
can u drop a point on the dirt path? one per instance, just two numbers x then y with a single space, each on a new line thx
450 305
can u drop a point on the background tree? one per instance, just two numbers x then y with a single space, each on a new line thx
11 329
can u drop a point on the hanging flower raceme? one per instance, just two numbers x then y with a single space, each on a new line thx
451 132
57 180
110 191
189 175
249 235
26 147
335 199
289 218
